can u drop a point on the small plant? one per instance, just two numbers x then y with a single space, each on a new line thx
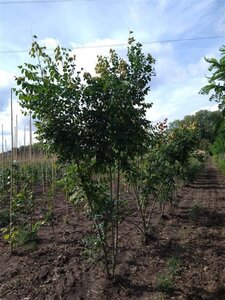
165 282
173 265
22 236
194 211
49 217
92 248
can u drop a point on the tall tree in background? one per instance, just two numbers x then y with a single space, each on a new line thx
207 125
216 85
216 82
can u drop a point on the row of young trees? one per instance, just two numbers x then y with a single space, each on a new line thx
26 180
208 125
96 126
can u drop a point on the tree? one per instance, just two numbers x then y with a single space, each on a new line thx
95 122
217 80
206 123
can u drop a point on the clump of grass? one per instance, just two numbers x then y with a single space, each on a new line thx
194 211
166 280
173 265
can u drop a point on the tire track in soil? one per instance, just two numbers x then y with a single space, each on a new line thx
201 235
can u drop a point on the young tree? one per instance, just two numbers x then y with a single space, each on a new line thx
96 122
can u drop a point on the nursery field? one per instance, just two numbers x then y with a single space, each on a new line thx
183 259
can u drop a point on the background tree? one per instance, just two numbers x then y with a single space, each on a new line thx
216 85
206 123
216 82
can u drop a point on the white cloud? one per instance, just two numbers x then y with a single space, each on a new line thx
49 43
212 107
5 121
180 67
176 93
6 78
86 54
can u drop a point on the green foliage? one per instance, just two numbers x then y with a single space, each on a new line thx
173 265
219 146
216 80
220 161
192 168
92 249
93 118
97 123
4 218
23 235
4 182
154 176
48 217
166 280
71 184
206 124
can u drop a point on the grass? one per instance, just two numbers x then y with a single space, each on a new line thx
166 280
194 211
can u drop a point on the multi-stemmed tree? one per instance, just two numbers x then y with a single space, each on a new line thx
96 122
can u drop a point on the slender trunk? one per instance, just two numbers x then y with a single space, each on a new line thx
89 198
66 194
31 180
3 173
116 221
113 218
140 209
151 212
153 205
12 181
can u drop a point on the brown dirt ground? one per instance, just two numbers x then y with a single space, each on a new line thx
193 232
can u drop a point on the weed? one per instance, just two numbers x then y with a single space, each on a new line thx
194 211
49 216
22 236
173 265
92 248
165 282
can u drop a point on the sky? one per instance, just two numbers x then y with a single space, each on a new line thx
178 34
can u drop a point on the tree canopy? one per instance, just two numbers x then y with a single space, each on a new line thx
85 117
216 82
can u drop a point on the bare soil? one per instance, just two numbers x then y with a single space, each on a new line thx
192 234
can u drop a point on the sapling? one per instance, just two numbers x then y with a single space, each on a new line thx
96 122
